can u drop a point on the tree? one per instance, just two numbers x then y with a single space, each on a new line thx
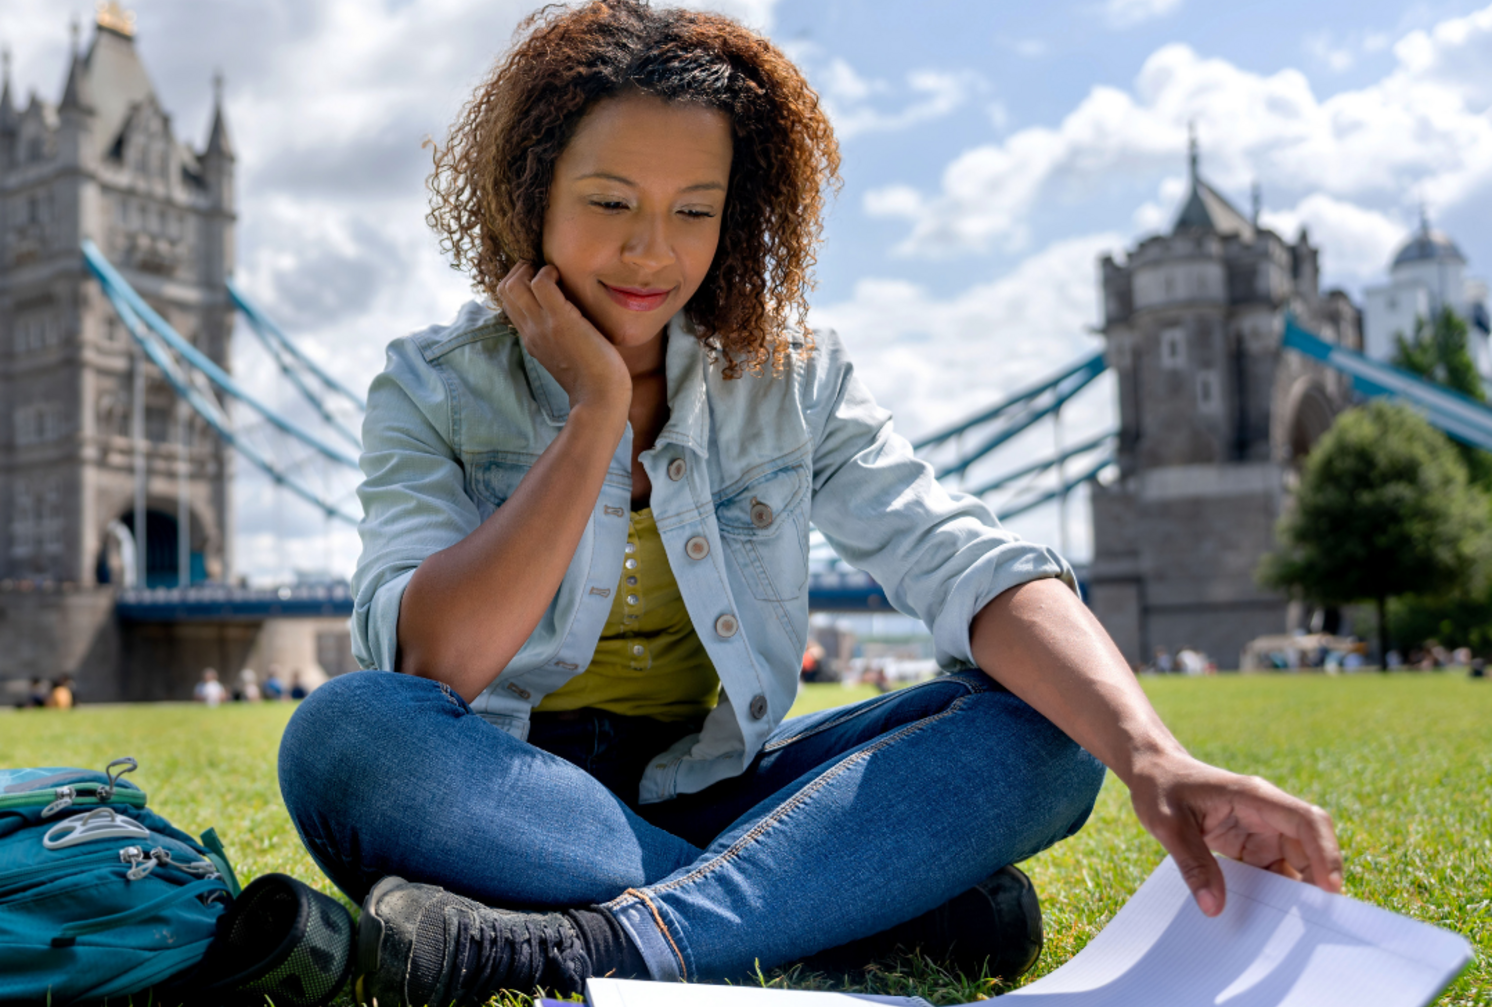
1383 509
1440 352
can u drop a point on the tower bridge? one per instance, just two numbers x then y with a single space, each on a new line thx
119 444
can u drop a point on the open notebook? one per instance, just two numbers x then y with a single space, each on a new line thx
1279 943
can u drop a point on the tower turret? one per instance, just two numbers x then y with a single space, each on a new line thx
10 119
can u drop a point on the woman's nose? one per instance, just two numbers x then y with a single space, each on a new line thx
648 247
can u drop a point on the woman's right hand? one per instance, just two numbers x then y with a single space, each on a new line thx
555 333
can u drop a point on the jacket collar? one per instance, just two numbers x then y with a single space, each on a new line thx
689 414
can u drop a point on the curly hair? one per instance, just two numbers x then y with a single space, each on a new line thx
490 186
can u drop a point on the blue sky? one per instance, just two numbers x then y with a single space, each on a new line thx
992 152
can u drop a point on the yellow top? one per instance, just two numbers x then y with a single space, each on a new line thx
649 662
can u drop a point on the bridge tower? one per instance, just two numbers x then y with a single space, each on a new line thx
1214 419
95 451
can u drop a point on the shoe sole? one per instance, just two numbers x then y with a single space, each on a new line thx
370 935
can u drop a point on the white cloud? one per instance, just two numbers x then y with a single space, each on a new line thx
757 14
1127 13
1357 242
856 103
934 360
1421 128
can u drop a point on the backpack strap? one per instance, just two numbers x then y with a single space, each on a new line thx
70 932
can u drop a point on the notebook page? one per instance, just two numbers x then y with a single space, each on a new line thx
1278 943
634 993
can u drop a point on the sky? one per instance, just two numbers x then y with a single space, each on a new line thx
992 152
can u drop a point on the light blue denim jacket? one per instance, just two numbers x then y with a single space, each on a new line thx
742 467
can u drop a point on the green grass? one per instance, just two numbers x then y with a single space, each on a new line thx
1403 763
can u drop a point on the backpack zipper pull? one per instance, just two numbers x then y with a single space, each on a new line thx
106 792
65 798
140 863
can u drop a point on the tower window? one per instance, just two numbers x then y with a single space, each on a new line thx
1173 348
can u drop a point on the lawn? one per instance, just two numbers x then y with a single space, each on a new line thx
1403 762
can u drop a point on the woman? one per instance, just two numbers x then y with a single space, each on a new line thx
585 552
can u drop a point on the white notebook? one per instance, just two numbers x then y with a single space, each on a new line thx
1278 943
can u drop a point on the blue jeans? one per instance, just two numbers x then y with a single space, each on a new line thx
850 821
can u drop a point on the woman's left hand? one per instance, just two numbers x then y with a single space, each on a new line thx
1194 808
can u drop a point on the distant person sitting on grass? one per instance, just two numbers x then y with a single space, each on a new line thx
274 685
210 691
61 695
586 549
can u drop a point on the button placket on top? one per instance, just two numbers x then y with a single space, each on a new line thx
632 614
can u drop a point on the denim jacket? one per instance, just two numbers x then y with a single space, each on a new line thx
739 472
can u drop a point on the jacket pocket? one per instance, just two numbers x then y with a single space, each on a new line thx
491 481
764 527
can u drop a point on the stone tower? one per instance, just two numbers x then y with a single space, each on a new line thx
1214 418
85 424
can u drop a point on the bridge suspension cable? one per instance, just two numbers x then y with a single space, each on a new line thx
1463 418
296 366
193 376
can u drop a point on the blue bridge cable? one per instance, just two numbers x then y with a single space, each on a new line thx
1079 379
1072 484
267 330
1463 418
120 290
206 407
281 358
1044 464
1015 399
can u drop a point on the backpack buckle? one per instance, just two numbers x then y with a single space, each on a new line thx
90 826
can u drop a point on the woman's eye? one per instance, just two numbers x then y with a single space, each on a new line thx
698 214
609 204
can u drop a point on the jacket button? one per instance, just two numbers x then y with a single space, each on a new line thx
697 547
676 469
726 625
758 707
761 514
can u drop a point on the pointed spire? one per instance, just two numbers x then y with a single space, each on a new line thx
218 142
77 94
1424 218
8 114
1193 156
1257 196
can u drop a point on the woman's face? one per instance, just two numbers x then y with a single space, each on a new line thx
634 211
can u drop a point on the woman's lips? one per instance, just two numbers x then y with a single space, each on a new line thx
637 298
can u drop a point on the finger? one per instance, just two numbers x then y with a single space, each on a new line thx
1198 866
1312 828
518 298
545 288
1325 855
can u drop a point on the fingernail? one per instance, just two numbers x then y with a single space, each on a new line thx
1335 879
1207 902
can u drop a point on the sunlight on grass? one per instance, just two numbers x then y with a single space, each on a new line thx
1403 763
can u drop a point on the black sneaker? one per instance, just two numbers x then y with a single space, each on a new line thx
420 945
994 926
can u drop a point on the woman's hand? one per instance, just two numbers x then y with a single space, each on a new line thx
1194 808
560 338
1044 645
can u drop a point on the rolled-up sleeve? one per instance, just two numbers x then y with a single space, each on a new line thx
941 556
413 496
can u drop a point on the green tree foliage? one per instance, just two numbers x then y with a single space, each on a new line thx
1440 352
1383 509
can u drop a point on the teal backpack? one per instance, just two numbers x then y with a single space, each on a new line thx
99 896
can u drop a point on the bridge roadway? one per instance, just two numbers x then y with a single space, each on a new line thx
827 592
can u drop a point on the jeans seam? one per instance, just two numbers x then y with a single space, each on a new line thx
662 928
761 827
852 713
451 697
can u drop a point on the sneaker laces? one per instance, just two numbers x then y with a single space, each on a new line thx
508 950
